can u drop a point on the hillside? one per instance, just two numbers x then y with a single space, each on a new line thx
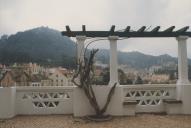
42 45
48 47
137 59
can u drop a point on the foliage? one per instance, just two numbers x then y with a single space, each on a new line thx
105 76
129 81
138 80
123 79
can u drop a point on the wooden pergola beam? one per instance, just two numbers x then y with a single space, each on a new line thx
142 29
83 28
127 33
68 28
170 29
127 29
184 29
112 30
156 29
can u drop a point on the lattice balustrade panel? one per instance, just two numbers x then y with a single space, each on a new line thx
46 99
147 97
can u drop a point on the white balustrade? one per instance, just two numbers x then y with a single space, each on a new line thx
71 100
149 97
44 100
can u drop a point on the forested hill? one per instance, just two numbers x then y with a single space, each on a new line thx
137 59
42 45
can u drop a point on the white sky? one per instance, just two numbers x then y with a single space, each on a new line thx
19 15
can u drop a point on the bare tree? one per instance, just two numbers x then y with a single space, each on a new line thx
85 76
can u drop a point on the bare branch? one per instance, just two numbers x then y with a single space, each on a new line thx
111 92
85 75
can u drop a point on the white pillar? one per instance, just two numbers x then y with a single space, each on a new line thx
182 65
80 48
113 60
7 102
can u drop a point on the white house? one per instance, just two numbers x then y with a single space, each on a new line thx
58 78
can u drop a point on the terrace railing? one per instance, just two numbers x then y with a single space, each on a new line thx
71 100
149 98
44 100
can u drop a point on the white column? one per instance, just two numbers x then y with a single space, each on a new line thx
80 48
7 102
182 65
113 60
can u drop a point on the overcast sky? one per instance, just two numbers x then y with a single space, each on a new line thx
20 15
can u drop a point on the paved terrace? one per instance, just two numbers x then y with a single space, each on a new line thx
67 121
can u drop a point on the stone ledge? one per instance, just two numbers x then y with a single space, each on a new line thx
129 102
172 101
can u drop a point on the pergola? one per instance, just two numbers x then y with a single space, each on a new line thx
181 36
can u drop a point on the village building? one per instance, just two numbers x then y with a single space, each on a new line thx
39 80
15 76
157 78
21 77
6 79
33 68
58 78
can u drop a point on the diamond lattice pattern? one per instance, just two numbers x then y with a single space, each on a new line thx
46 100
148 97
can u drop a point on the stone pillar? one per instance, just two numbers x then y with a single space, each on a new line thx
113 60
182 65
80 48
7 102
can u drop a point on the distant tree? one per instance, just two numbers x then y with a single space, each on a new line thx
171 76
105 76
68 62
138 80
4 37
129 81
122 77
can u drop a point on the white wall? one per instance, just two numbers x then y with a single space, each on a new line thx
82 107
72 100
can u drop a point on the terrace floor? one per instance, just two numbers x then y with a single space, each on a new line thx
68 121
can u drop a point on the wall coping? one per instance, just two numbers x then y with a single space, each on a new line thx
44 88
71 88
148 86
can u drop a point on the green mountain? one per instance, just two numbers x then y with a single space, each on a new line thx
137 59
42 45
48 47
